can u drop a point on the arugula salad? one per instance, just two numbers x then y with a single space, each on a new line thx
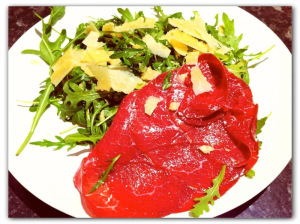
90 73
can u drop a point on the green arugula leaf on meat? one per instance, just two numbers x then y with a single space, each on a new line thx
209 198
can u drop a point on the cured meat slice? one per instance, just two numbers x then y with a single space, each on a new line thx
206 107
163 166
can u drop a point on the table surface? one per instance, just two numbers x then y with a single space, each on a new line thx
273 202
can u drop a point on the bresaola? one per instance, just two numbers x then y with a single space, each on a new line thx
163 164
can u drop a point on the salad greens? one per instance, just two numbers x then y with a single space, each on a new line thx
211 193
234 59
75 97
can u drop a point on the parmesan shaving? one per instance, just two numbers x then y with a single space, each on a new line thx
151 104
192 58
64 65
92 40
90 28
150 74
200 83
182 77
95 56
188 40
174 106
109 27
123 81
179 47
196 28
100 73
206 149
140 23
156 48
118 78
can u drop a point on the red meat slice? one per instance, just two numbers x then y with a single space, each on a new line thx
161 169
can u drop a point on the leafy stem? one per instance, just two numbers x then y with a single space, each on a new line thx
105 174
44 102
61 143
167 83
212 192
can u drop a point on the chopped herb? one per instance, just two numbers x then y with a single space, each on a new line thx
104 175
166 83
211 193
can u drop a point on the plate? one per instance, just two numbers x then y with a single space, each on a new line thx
49 175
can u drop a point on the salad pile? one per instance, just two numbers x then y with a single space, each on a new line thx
135 47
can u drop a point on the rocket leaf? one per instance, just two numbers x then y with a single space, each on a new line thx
211 193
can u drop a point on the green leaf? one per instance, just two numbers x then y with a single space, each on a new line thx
43 104
229 30
162 23
250 174
166 83
139 14
104 175
76 94
211 193
35 52
109 113
126 15
261 123
51 51
60 144
79 138
57 13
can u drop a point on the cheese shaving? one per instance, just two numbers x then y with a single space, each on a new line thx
92 40
123 81
156 48
95 56
109 27
150 74
206 149
174 106
188 40
151 104
101 74
196 28
140 23
192 58
179 47
70 59
200 83
182 77
90 28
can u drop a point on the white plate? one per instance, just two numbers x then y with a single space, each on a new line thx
49 175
